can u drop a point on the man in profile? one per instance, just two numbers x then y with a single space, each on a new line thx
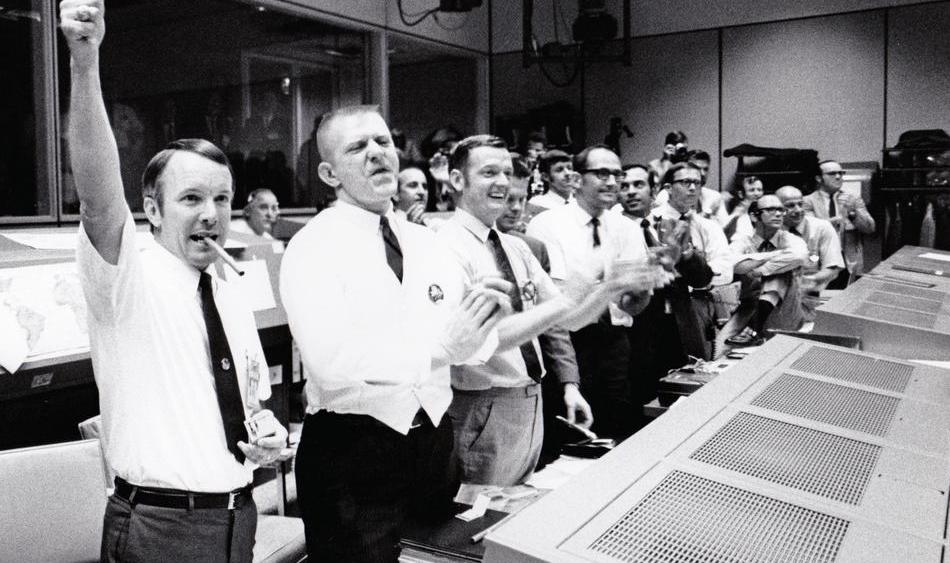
175 351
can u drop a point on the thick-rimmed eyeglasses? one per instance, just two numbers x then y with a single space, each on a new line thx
604 174
838 173
688 183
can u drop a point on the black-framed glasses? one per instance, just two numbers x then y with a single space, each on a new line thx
838 173
604 174
688 182
776 210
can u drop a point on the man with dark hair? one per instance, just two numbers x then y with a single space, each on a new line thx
557 352
413 194
175 352
557 171
709 204
847 213
585 240
379 318
769 264
503 449
534 148
824 249
675 149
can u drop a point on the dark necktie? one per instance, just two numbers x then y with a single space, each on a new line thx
766 246
222 365
651 240
832 210
393 250
595 222
530 356
794 231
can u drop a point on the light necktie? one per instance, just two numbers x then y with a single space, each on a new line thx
222 365
393 250
528 353
595 223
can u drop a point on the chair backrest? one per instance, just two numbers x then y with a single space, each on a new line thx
53 499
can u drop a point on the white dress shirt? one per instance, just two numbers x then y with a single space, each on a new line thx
707 237
467 237
241 226
792 251
710 203
550 200
149 346
367 340
567 231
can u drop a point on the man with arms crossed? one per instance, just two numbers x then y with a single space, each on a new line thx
176 354
379 311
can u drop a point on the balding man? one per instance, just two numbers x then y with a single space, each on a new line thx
768 263
379 314
824 250
260 214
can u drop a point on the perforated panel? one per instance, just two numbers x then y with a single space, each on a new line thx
838 405
863 370
690 518
913 291
903 301
895 315
794 456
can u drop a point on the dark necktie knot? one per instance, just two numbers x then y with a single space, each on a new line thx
225 379
766 246
595 223
648 234
393 250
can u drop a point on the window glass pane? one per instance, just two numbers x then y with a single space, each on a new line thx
23 191
250 80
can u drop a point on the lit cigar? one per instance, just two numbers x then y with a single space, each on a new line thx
224 255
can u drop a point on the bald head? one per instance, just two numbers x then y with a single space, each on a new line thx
794 205
787 192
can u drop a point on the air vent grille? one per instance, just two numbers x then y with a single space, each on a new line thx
904 302
862 370
837 405
794 456
895 315
913 291
690 518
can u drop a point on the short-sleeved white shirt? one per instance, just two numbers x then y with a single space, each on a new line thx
149 346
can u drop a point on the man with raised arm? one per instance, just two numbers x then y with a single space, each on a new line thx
175 352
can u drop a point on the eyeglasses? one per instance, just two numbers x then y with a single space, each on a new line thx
776 210
604 174
689 183
838 173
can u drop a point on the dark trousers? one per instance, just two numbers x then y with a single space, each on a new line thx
603 359
143 533
655 349
359 480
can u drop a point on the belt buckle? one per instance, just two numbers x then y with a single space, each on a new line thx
232 497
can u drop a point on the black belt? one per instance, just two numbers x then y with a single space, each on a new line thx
175 498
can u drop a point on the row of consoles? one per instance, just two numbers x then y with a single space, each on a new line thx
804 451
